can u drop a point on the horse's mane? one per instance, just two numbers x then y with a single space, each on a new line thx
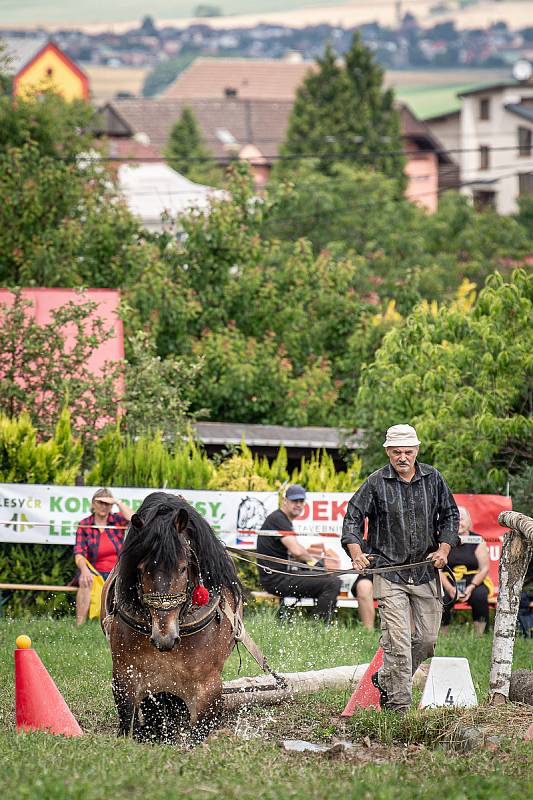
153 535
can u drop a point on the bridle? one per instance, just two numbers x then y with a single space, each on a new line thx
165 601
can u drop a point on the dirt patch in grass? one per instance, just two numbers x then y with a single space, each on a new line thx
381 736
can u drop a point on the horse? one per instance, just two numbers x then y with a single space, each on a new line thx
170 610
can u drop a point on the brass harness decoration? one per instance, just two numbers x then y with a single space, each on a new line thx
164 601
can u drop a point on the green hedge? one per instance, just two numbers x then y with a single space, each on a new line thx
148 461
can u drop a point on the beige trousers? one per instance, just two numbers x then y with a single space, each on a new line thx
410 620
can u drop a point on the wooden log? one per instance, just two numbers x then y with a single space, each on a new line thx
263 689
517 549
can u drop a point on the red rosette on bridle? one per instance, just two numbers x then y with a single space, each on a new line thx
200 595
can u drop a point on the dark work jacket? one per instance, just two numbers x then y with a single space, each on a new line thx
406 520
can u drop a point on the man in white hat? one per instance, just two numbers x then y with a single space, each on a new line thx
412 516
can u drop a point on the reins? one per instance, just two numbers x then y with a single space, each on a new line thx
317 572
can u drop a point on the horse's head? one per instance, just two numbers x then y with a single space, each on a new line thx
165 565
168 548
165 591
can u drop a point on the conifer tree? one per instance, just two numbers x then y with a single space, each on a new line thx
343 113
187 153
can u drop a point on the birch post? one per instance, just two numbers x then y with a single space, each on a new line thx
517 549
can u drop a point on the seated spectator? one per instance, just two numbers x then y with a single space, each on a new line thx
292 581
99 539
363 590
470 563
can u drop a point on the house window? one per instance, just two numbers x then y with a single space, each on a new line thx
484 156
49 72
484 108
525 183
525 139
483 199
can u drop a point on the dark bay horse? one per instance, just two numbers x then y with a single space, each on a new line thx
168 648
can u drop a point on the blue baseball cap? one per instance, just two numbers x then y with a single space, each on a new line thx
295 492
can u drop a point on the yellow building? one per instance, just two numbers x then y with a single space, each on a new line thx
37 64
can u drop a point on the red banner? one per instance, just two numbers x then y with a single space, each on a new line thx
484 510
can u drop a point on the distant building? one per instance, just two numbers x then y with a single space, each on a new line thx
491 136
36 64
45 301
253 130
497 144
272 79
429 168
155 190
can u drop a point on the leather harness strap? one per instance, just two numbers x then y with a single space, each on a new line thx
241 635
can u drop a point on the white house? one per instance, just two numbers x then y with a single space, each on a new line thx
491 137
496 130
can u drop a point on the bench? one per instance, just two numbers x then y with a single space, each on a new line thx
37 587
304 602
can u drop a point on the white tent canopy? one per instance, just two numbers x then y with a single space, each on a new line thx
151 190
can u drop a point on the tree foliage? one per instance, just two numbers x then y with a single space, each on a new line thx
342 112
463 375
187 152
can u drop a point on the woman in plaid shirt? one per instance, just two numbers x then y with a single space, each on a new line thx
99 539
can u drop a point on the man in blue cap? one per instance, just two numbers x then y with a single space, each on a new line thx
293 580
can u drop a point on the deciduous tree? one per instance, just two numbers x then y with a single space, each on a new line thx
463 375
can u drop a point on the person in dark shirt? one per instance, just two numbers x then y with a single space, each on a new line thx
292 582
412 516
470 564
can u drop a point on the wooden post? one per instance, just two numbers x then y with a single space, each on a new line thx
517 550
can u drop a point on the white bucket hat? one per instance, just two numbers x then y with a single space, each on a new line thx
401 436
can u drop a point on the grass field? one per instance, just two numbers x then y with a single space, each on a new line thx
100 15
105 82
401 758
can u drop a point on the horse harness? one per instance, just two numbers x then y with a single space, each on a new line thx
192 620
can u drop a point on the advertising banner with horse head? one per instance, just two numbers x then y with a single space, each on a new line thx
34 513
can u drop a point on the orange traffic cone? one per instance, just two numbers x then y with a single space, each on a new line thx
366 694
39 703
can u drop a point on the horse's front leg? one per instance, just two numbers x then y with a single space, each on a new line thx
209 708
124 701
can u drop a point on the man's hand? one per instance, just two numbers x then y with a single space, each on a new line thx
440 556
109 500
359 561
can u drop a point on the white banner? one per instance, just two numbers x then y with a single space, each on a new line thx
50 515
34 513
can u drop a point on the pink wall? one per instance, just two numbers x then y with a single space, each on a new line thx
422 170
46 300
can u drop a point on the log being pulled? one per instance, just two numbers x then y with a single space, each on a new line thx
264 690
